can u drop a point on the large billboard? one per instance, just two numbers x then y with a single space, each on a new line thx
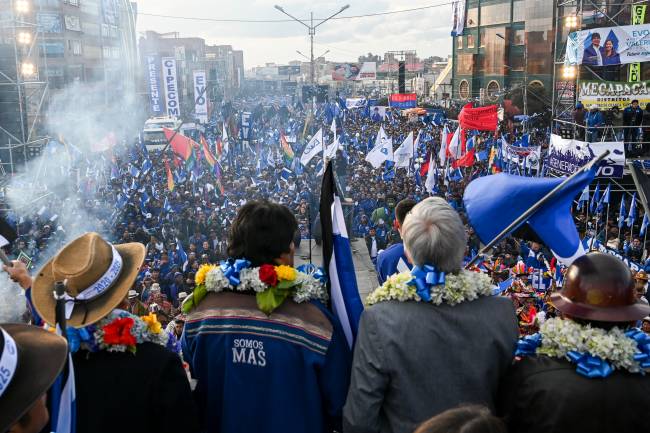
289 70
607 94
354 71
173 108
200 96
609 46
153 82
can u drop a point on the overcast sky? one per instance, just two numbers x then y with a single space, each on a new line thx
426 31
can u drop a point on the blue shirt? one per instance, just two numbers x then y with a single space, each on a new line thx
387 262
288 372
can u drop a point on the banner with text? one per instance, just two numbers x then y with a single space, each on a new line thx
609 46
354 71
607 94
171 87
153 81
566 156
200 96
403 100
481 118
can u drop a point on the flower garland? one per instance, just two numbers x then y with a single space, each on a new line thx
271 284
425 284
596 352
120 331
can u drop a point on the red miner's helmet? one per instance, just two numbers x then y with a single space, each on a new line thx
599 287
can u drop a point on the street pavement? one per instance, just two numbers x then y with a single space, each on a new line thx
366 275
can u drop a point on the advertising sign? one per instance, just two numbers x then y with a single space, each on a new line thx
609 46
566 156
173 108
345 72
368 71
289 70
607 94
200 96
153 81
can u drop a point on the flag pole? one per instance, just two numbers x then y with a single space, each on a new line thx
535 207
607 221
591 244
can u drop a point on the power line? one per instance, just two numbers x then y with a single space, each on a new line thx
349 17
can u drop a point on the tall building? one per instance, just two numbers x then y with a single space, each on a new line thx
506 46
46 45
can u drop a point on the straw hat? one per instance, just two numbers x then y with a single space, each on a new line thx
33 358
98 275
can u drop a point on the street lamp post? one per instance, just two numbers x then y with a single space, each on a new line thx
312 32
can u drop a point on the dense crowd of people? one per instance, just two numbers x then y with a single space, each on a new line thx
196 256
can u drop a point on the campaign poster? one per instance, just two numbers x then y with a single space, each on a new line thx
153 82
171 87
566 156
609 46
200 96
607 94
351 103
345 72
368 71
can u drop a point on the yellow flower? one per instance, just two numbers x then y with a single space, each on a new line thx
152 323
199 278
285 273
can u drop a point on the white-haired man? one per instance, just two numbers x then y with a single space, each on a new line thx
432 338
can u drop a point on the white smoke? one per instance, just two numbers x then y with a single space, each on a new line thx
12 300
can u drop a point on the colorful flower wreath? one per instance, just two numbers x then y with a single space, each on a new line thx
120 331
272 285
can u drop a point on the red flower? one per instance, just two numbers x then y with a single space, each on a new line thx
119 332
268 275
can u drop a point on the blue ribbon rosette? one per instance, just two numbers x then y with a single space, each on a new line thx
425 277
314 271
231 269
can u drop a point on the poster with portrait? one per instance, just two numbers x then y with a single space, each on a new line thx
609 46
345 72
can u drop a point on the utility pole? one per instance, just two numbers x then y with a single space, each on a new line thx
312 32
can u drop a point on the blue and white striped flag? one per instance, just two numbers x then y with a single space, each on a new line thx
337 256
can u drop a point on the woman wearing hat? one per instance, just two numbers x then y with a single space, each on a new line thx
30 360
584 372
116 355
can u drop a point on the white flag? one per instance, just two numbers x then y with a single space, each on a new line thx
330 151
314 146
454 145
442 155
224 139
333 127
383 150
404 153
430 182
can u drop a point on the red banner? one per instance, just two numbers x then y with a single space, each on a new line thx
481 118
403 100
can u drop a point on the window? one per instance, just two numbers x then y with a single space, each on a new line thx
106 52
470 41
106 31
72 23
74 47
493 58
495 14
463 89
465 64
472 17
459 42
519 10
493 89
518 37
71 2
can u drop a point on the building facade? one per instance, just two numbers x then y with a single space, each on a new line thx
506 46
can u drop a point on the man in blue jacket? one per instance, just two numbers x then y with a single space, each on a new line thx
287 371
393 260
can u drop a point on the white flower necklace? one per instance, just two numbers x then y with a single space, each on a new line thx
452 289
596 351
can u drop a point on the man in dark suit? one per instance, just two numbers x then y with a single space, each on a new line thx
593 54
374 243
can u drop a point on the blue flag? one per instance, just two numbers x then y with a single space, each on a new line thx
337 255
621 214
644 225
595 199
494 202
631 217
